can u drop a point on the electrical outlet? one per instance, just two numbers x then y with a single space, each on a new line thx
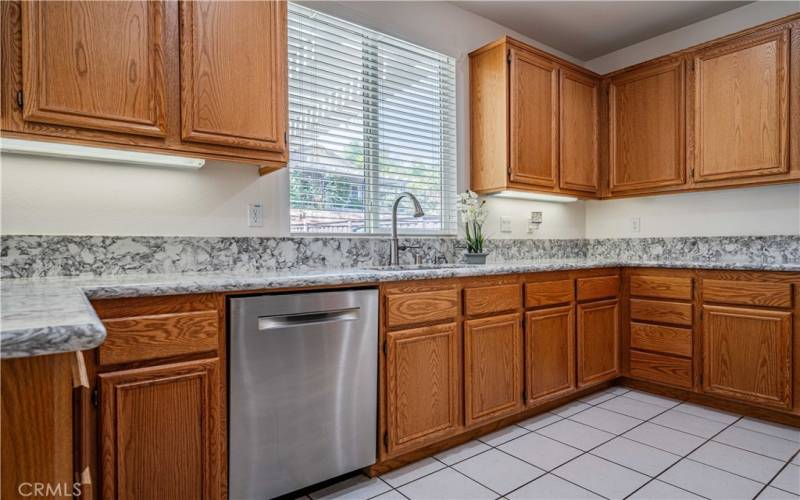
255 215
505 224
636 224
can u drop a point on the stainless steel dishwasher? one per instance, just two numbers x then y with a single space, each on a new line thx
303 389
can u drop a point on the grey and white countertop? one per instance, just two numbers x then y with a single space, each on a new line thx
52 315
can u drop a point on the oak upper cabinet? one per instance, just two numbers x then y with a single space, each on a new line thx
492 367
95 65
423 386
740 108
748 354
578 126
201 78
233 73
533 111
647 127
534 122
549 353
160 432
598 342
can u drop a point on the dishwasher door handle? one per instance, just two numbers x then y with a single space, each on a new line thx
306 319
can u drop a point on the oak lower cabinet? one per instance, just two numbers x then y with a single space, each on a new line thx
492 368
549 353
598 342
748 354
423 386
160 432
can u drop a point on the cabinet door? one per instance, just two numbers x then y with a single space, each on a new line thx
579 131
422 386
598 342
549 353
492 367
534 120
646 128
748 354
741 107
161 432
233 73
95 65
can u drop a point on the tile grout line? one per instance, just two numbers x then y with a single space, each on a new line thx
769 483
615 435
590 450
685 457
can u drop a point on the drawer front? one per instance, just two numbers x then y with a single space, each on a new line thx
422 307
492 299
662 369
602 287
751 293
664 287
546 293
142 338
664 339
673 313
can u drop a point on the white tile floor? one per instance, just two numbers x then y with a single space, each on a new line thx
612 444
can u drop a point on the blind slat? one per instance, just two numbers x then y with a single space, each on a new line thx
370 116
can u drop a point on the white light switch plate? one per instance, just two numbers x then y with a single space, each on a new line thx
505 224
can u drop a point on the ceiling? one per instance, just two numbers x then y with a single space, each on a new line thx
586 30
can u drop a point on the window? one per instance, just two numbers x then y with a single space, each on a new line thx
370 116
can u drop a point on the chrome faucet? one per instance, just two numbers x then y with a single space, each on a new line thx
395 243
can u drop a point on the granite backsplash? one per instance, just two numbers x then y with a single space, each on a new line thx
26 256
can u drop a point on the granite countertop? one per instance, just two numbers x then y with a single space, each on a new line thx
53 315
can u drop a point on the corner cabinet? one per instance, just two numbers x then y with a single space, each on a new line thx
534 122
646 127
718 115
157 76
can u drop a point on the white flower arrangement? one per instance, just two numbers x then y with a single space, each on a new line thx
473 214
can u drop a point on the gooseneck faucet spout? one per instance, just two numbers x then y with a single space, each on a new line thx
395 243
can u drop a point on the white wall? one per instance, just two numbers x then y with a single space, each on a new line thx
753 211
703 31
44 196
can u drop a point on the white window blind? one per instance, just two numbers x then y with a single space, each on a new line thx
370 116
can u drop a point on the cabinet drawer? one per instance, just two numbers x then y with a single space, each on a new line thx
662 369
491 299
422 307
545 293
666 339
751 293
664 287
601 287
142 338
675 313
